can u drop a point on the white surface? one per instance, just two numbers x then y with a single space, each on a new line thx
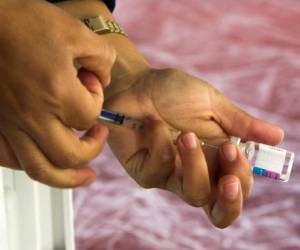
34 216
3 234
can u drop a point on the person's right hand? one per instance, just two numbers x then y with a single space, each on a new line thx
41 98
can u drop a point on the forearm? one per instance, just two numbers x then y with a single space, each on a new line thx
129 60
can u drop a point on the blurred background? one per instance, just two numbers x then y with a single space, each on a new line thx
250 50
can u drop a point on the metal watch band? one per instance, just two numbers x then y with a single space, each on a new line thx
99 24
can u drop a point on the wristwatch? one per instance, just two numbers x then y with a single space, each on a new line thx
100 25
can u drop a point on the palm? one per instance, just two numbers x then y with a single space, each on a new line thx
185 103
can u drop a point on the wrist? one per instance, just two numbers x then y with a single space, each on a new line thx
125 73
130 63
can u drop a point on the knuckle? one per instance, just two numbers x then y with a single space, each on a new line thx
70 159
37 173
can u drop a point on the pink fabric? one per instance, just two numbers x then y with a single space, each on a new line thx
250 50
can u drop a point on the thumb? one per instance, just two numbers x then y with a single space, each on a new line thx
94 53
159 164
93 85
239 123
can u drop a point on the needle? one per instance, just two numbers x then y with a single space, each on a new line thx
208 145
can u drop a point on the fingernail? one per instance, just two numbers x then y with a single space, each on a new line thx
107 82
229 151
189 141
231 190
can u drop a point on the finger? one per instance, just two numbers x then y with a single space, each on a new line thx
196 184
159 162
40 169
64 148
233 162
7 156
90 81
94 53
83 103
237 122
229 204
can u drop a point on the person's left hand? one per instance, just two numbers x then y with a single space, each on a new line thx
185 103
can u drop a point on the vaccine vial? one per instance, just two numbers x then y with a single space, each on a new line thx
266 160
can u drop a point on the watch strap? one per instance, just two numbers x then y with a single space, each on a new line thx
99 24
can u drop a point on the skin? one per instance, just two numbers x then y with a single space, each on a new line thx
170 98
40 89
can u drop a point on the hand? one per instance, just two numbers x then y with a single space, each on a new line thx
222 199
41 98
177 100
186 172
185 103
